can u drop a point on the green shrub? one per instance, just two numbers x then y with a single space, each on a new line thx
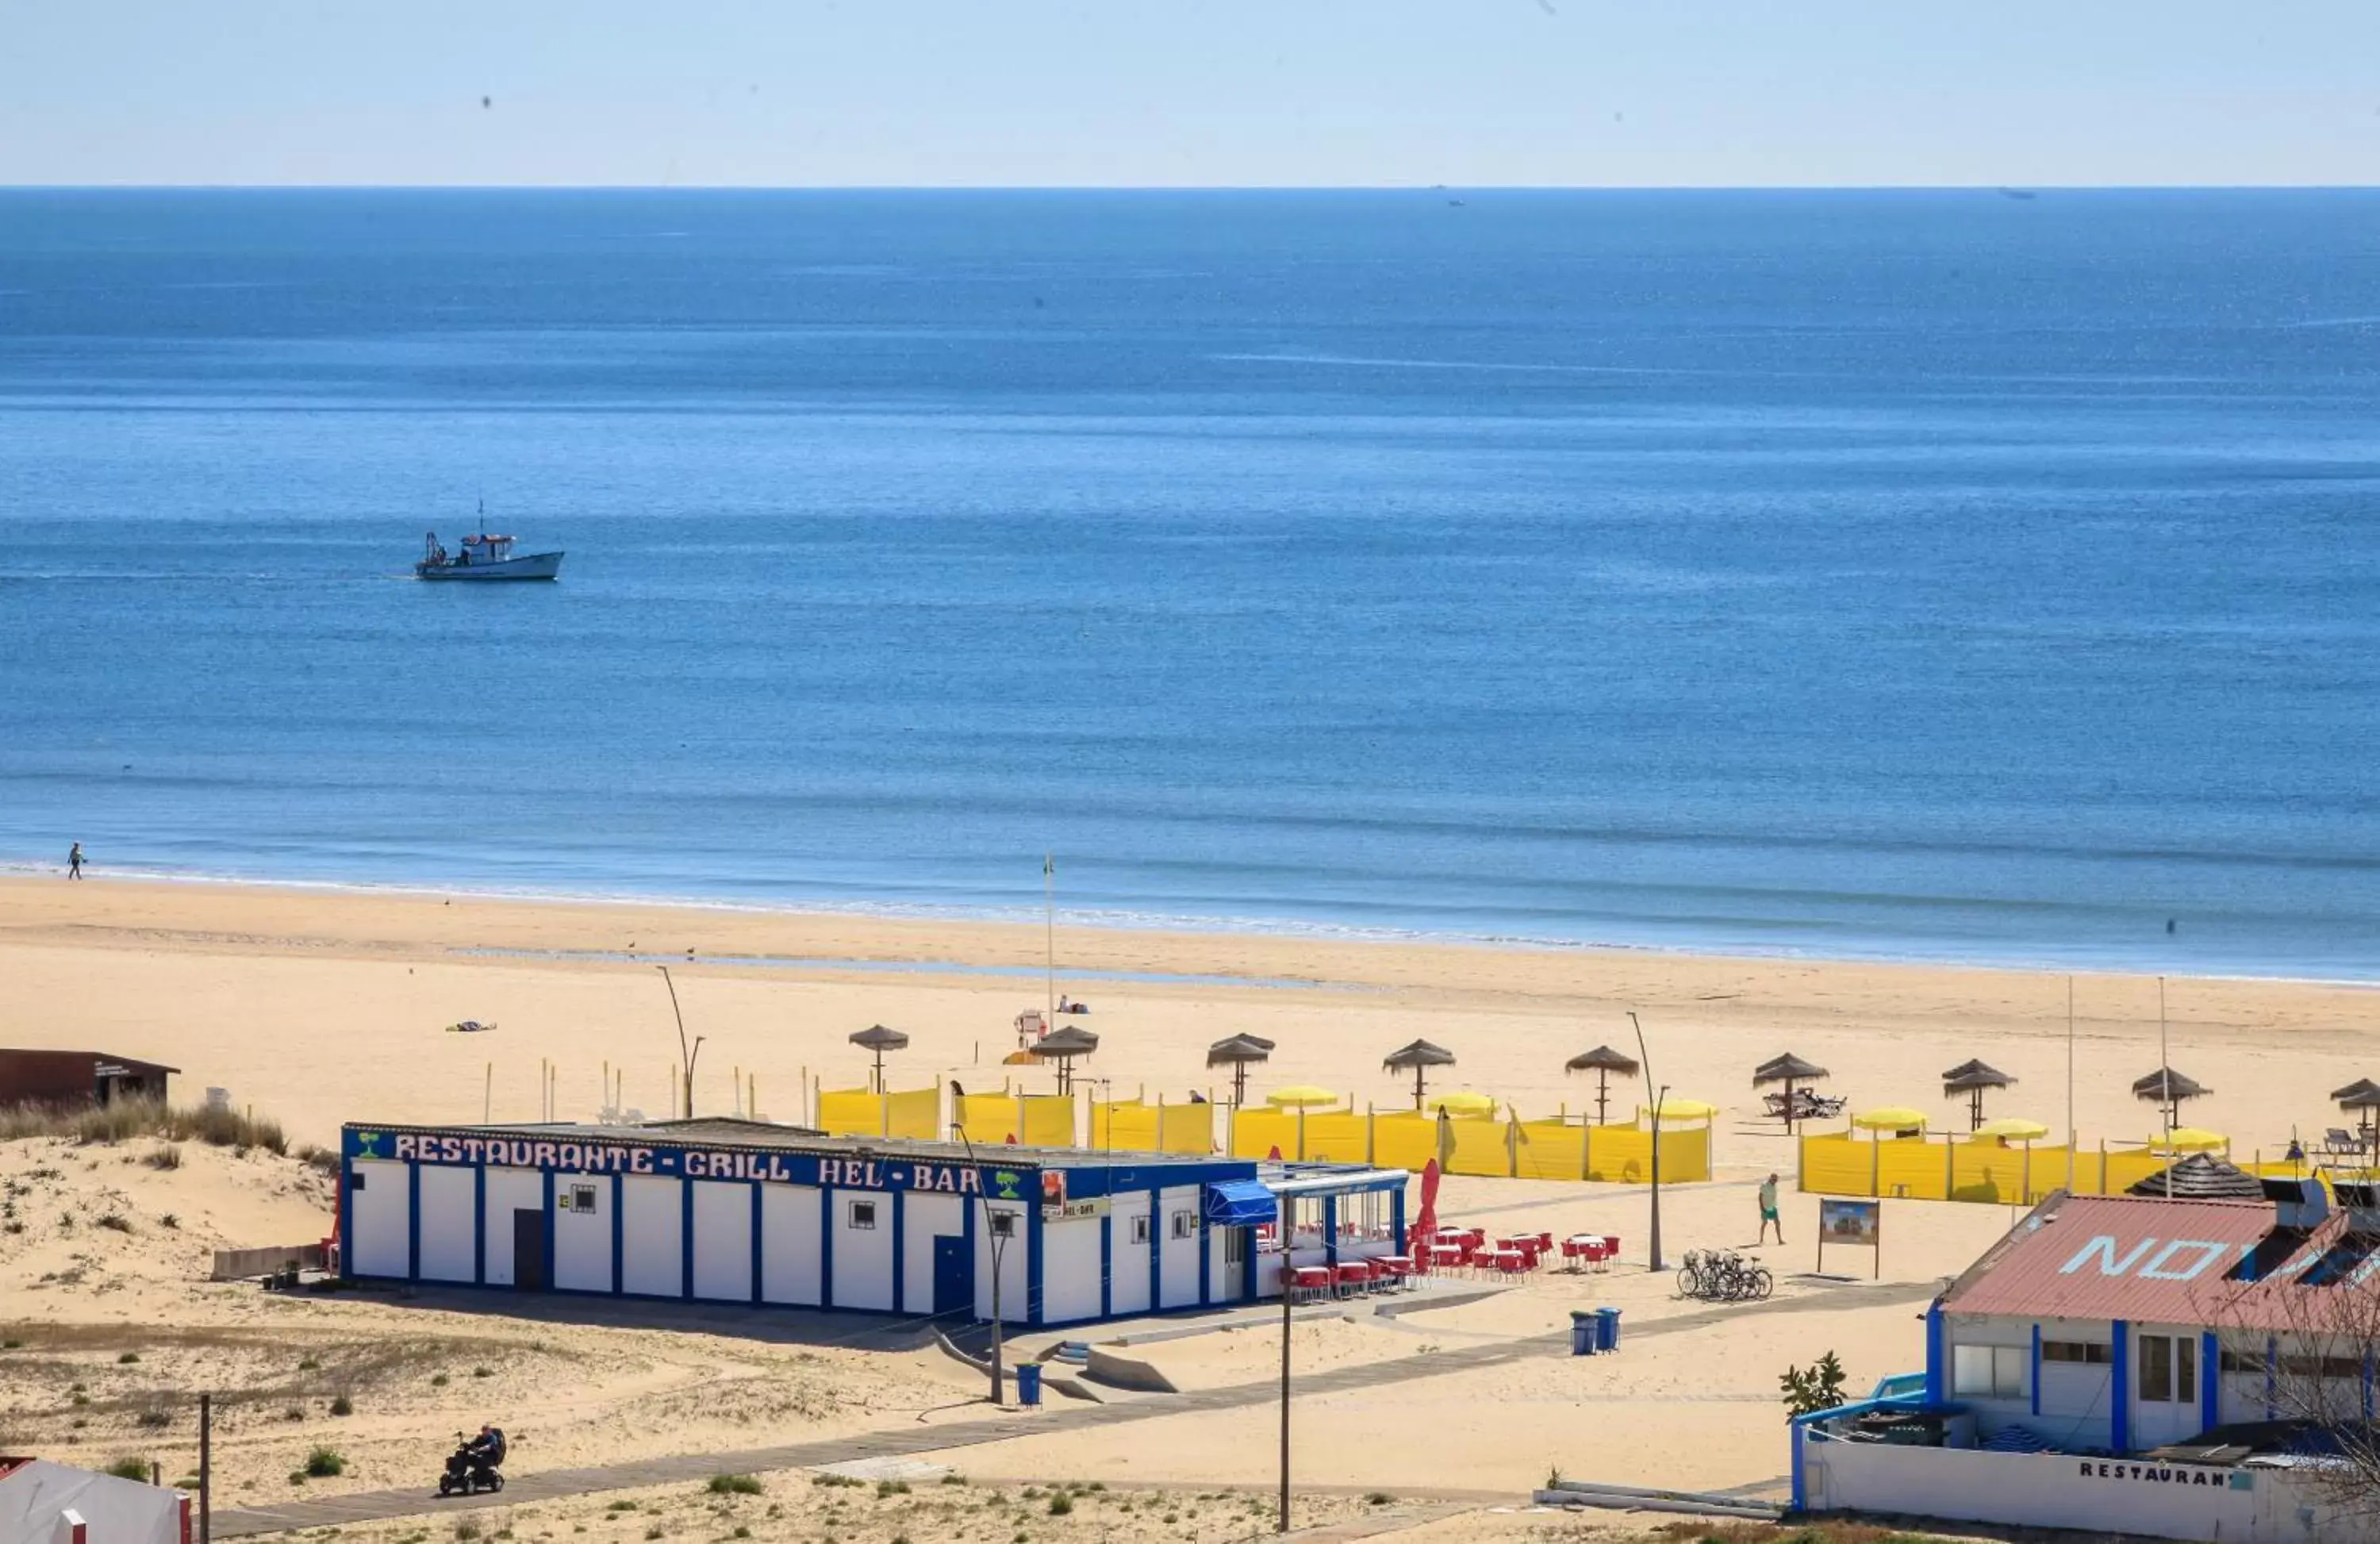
1061 1504
155 1416
892 1487
483 1372
343 1405
438 1381
166 1156
733 1485
171 1221
127 1358
621 1506
325 1464
129 1468
466 1530
308 1364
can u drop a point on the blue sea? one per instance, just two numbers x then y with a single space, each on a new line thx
1938 575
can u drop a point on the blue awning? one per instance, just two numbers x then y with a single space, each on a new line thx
1240 1203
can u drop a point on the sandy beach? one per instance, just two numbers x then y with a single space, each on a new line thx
322 1006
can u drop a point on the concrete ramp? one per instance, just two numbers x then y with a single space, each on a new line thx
1121 1369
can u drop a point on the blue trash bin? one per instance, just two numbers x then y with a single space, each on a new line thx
1608 1329
1585 1332
1028 1383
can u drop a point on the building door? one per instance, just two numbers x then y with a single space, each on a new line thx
954 1284
528 1250
2165 1382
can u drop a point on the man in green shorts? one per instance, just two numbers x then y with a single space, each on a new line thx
1768 1212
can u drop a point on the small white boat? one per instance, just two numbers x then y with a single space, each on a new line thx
484 558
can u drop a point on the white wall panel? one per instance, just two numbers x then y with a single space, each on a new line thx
1128 1289
450 1221
863 1256
723 1241
509 1190
1070 1270
923 1219
789 1243
652 1250
582 1231
1013 1266
381 1215
1179 1276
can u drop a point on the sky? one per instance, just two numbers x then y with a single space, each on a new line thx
1190 92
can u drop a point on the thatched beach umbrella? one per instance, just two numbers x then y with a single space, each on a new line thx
1418 1058
879 1040
1603 1062
1972 1078
2361 1098
1239 1053
1788 1069
2166 1088
2201 1176
1063 1046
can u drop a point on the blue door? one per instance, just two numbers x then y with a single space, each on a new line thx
954 1292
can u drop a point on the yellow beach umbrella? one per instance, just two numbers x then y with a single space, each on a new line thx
1684 1109
1301 1096
1892 1117
2013 1128
2192 1138
1461 1104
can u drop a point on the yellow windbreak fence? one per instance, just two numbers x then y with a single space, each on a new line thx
1337 1137
988 1117
1550 1149
916 1113
1838 1163
1186 1128
850 1112
1127 1127
1404 1141
1258 1133
1479 1146
1048 1121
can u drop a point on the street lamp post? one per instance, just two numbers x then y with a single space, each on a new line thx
993 1241
687 1055
1660 1099
1283 1222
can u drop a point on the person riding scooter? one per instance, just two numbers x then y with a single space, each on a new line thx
476 1465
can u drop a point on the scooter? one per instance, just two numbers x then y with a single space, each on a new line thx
468 1472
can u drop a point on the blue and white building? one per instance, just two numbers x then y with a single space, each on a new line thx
746 1213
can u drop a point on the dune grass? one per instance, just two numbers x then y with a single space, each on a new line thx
128 1119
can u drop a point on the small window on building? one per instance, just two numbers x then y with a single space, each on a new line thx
582 1197
2097 1354
357 1181
1988 1371
2239 1361
1140 1229
863 1214
1185 1224
1003 1224
2168 1369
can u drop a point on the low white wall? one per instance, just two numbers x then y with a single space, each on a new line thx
2162 1500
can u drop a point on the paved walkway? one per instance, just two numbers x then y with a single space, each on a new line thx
910 1441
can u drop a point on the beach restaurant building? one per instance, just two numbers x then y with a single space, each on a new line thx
741 1211
2129 1364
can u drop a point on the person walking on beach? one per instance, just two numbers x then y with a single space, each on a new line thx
1768 1212
74 861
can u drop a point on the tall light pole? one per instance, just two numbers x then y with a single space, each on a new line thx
1287 1207
1049 936
993 1241
687 1055
1660 1100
